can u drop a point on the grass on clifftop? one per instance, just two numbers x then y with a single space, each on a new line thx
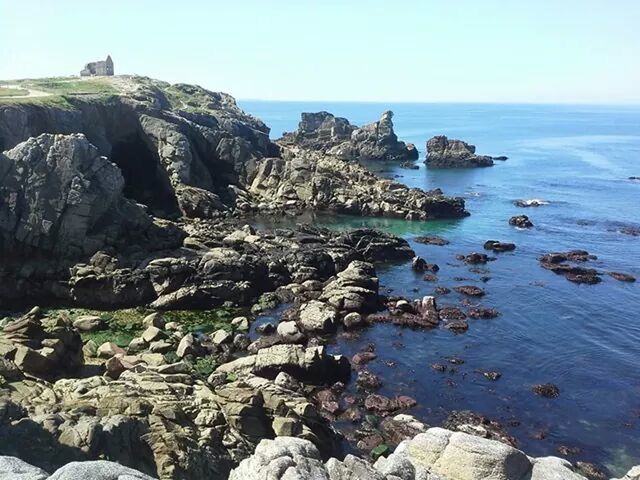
12 92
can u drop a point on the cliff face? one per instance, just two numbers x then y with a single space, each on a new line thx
179 147
115 181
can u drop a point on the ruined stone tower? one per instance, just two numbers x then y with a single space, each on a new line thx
104 68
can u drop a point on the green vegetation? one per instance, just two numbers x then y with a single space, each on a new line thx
126 324
71 86
204 366
12 92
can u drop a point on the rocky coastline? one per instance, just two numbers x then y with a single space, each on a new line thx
443 152
127 219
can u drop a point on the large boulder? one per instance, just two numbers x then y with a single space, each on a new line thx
60 195
355 289
12 468
445 153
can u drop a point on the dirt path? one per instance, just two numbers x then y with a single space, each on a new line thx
31 93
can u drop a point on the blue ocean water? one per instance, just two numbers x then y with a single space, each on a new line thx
584 338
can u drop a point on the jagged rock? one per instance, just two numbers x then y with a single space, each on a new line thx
59 195
323 132
317 317
521 221
420 313
46 351
310 364
497 246
240 323
445 153
355 289
313 180
154 320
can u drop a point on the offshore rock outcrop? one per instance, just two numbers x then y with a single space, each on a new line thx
326 133
445 153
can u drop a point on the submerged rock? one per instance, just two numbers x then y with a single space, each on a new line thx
445 153
622 277
497 246
432 240
548 390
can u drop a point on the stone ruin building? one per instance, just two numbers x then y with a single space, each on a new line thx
98 68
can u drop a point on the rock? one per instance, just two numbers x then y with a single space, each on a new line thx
294 458
459 456
312 364
622 277
152 334
401 427
432 240
221 336
633 474
285 380
497 246
286 427
287 329
557 263
154 320
520 221
368 381
470 290
317 317
240 323
529 203
88 323
590 471
355 289
553 468
266 328
323 182
478 425
136 344
548 390
382 405
445 153
187 346
334 135
418 264
475 258
12 468
241 341
97 470
482 312
353 320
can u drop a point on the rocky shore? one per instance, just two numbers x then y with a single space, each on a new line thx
129 219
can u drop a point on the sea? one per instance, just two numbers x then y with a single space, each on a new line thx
585 339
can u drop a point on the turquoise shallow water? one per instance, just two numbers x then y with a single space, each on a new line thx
585 339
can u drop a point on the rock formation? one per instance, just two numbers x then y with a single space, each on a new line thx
325 133
445 153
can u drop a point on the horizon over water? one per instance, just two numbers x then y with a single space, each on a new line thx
584 338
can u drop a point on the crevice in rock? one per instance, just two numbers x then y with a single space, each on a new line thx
146 181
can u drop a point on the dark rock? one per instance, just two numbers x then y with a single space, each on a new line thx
442 290
451 313
432 240
445 153
622 277
418 264
458 326
361 358
556 262
475 258
497 246
493 376
479 425
470 290
368 381
266 328
439 367
482 312
591 471
382 405
547 390
520 221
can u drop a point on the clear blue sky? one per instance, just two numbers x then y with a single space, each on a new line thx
371 50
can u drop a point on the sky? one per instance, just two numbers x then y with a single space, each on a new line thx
533 51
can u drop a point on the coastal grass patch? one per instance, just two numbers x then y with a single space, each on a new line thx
71 86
